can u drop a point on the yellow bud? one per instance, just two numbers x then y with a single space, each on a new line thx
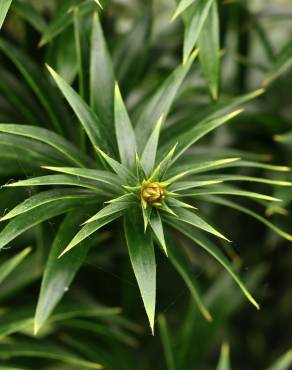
152 193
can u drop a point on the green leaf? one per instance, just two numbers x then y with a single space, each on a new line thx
185 185
14 327
224 178
117 205
161 102
88 230
118 168
57 180
59 273
282 62
142 257
157 227
181 7
8 266
174 202
200 130
283 363
228 190
193 219
95 130
284 138
229 203
4 6
88 173
39 83
38 215
224 361
28 12
149 152
124 132
209 49
194 26
34 350
181 264
210 112
46 197
166 343
64 18
213 250
101 77
50 138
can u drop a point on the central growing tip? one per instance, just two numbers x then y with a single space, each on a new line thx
152 193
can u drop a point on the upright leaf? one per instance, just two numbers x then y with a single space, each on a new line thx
160 103
124 132
224 361
194 26
209 45
181 7
142 257
96 131
101 76
4 6
149 153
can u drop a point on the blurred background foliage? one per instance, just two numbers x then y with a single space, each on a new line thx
100 321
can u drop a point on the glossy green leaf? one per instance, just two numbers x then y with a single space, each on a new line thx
227 178
149 153
36 216
186 185
4 6
124 132
228 190
117 205
282 62
224 361
209 50
78 47
88 230
181 7
283 363
117 167
57 180
90 122
59 273
8 266
166 343
200 130
50 138
46 197
157 228
193 219
142 256
161 102
195 23
181 264
213 250
210 112
101 77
